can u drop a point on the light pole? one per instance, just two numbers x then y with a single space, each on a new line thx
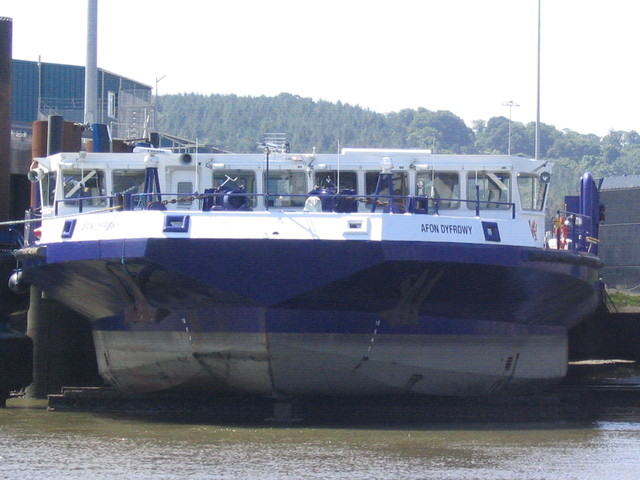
155 103
510 104
157 82
537 142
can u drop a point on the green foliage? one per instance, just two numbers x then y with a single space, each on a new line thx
622 299
439 130
237 124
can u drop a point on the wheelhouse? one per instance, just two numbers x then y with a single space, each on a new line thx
408 181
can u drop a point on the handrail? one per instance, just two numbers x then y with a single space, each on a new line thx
404 203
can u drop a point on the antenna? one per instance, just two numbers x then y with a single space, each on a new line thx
276 142
197 167
338 172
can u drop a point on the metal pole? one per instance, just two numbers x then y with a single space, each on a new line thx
510 104
538 89
509 144
155 110
266 187
91 69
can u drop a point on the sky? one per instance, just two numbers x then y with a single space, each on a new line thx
466 56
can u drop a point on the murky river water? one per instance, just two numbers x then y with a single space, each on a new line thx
40 444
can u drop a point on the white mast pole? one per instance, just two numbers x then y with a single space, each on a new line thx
538 92
91 69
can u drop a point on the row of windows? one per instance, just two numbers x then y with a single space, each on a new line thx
289 188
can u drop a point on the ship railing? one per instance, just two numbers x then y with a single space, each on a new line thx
580 234
433 206
233 200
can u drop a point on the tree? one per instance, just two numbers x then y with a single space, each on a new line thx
442 128
575 146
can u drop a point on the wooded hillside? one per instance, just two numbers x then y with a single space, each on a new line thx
237 124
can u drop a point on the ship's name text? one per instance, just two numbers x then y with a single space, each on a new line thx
446 229
99 226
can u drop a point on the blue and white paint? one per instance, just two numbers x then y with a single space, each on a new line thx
285 292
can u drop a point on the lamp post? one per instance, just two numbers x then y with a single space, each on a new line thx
155 102
510 104
537 142
157 82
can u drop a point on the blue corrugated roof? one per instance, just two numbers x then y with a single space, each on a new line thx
61 89
627 181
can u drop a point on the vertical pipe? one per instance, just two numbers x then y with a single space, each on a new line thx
38 150
266 188
48 139
39 108
91 69
37 330
6 32
63 352
589 207
72 141
55 135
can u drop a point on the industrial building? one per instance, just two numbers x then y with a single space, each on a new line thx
620 231
42 89
33 90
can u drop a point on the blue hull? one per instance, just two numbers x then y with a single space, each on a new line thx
321 286
331 317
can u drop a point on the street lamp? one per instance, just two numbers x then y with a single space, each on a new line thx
510 104
155 102
157 82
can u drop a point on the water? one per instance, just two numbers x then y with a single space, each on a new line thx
40 444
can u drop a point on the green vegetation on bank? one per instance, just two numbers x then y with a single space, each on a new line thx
237 124
623 300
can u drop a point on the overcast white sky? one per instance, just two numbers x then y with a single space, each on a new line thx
466 56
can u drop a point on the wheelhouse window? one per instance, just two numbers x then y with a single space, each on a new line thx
444 186
532 191
128 181
287 188
493 189
48 183
332 178
236 180
84 183
399 184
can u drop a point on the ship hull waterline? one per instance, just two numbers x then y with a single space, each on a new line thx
321 317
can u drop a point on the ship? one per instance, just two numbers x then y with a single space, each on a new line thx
364 272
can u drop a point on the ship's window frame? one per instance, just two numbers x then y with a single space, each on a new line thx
400 184
492 183
348 179
48 188
134 181
236 179
532 191
443 185
287 188
185 194
78 181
